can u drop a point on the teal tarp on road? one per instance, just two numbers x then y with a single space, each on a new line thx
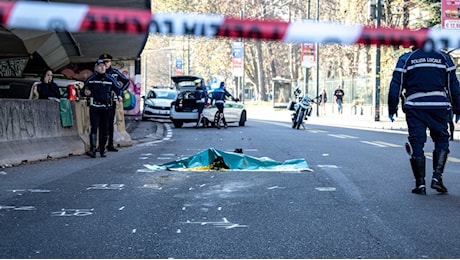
214 159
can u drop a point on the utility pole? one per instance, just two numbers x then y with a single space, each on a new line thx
377 66
307 69
317 61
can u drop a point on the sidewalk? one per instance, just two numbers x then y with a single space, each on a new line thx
347 119
334 119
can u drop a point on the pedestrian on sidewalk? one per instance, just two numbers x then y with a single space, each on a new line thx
432 93
322 99
338 95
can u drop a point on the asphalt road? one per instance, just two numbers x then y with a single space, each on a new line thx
356 203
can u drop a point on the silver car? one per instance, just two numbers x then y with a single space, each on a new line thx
157 103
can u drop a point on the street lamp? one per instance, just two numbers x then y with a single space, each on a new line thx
317 61
377 67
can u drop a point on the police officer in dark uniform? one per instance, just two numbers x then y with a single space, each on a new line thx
218 96
201 97
120 77
99 86
431 94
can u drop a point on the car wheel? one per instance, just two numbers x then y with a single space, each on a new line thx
242 119
178 124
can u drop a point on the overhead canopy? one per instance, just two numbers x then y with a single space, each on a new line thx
58 49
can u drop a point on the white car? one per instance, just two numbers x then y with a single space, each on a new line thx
157 103
185 110
234 112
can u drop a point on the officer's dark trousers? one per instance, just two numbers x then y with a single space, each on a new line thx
200 106
418 120
220 107
112 112
99 117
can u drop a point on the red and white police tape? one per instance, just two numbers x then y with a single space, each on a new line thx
85 18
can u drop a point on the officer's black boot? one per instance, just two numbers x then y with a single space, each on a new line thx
92 146
225 122
218 121
418 168
102 146
110 146
439 161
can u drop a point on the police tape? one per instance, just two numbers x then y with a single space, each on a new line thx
85 18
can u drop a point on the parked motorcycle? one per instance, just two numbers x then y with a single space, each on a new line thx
302 108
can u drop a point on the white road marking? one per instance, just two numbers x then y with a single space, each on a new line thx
388 144
343 136
375 144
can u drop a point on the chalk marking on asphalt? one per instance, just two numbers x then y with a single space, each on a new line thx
143 158
250 150
106 187
3 173
276 187
373 143
121 208
151 186
30 190
219 224
163 158
325 189
328 166
72 213
19 208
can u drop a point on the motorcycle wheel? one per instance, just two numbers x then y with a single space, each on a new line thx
300 119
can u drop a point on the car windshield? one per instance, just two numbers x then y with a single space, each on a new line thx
186 84
162 94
